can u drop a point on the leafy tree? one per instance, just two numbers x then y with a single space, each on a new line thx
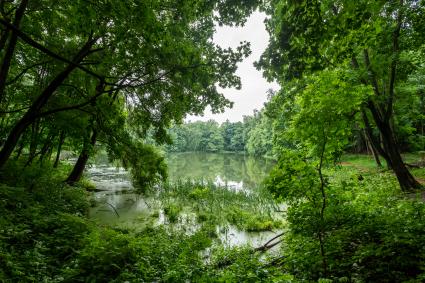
154 61
367 36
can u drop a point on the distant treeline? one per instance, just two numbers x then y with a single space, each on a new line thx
265 133
253 135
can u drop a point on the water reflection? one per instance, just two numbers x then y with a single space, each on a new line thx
117 204
235 170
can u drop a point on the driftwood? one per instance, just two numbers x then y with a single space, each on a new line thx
267 246
270 243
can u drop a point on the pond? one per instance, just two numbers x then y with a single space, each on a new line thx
117 204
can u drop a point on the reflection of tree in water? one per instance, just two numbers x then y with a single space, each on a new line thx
208 166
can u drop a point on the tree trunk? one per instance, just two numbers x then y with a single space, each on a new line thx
80 165
371 146
375 142
19 152
46 148
7 59
41 101
58 153
404 177
389 150
33 142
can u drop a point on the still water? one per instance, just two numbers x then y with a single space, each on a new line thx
116 204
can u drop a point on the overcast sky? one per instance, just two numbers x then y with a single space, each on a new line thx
253 93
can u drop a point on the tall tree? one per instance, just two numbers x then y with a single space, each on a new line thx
158 56
369 36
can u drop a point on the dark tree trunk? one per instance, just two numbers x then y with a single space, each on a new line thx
46 148
375 142
3 39
30 116
389 149
19 151
404 177
7 59
58 153
80 165
390 152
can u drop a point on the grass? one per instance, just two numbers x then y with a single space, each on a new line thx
217 205
363 162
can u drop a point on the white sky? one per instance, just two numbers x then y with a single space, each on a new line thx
253 93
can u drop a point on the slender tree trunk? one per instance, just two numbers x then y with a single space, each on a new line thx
77 171
33 142
376 143
373 150
8 56
46 148
41 101
3 39
58 153
19 151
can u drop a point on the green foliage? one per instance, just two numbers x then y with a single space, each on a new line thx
251 222
293 178
147 165
40 228
152 255
45 237
371 232
254 136
172 211
241 265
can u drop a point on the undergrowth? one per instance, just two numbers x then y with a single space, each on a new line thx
45 236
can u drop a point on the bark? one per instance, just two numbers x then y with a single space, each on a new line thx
80 165
390 151
58 153
41 101
404 177
321 232
10 50
381 116
77 171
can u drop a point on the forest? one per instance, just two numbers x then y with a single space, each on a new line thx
252 136
103 179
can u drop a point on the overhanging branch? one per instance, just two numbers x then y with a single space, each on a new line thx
24 37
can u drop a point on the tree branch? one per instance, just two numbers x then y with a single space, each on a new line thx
372 75
26 70
394 60
24 37
71 107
